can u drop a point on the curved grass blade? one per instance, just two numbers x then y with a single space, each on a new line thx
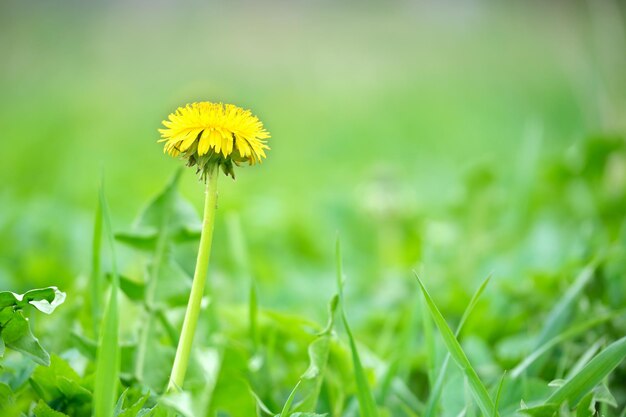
429 341
560 315
498 393
319 350
479 392
367 406
285 411
108 355
575 388
576 330
435 393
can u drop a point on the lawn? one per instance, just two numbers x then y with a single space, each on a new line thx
438 229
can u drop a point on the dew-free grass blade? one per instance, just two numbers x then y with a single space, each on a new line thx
479 392
95 279
560 315
574 331
435 393
575 388
429 341
319 350
108 355
364 393
285 411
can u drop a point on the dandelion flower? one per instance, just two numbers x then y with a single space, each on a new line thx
208 134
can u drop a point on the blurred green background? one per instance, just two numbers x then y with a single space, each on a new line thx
457 139
421 132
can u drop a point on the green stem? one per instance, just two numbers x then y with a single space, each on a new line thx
197 288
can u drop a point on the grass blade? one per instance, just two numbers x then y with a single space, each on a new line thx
435 393
285 411
429 341
108 355
574 331
498 393
367 405
479 392
95 281
319 350
591 375
559 316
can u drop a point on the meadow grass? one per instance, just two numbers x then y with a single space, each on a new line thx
420 146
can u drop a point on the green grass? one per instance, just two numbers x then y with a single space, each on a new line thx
481 141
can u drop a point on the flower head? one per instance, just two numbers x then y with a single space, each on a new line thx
208 134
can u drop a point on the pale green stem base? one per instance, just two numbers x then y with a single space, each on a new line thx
197 288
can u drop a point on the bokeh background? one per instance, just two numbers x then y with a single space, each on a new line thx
426 134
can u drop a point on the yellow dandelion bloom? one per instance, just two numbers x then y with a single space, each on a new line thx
208 133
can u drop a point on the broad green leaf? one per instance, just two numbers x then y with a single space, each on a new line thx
586 407
364 394
72 390
43 410
161 214
210 361
108 355
133 289
602 394
479 392
575 388
16 334
47 380
132 410
182 219
173 284
6 396
45 300
60 386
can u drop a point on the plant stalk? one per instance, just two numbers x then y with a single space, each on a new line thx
197 288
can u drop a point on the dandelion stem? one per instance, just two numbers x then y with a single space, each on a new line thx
197 289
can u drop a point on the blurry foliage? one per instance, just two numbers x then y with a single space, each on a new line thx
534 317
407 142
